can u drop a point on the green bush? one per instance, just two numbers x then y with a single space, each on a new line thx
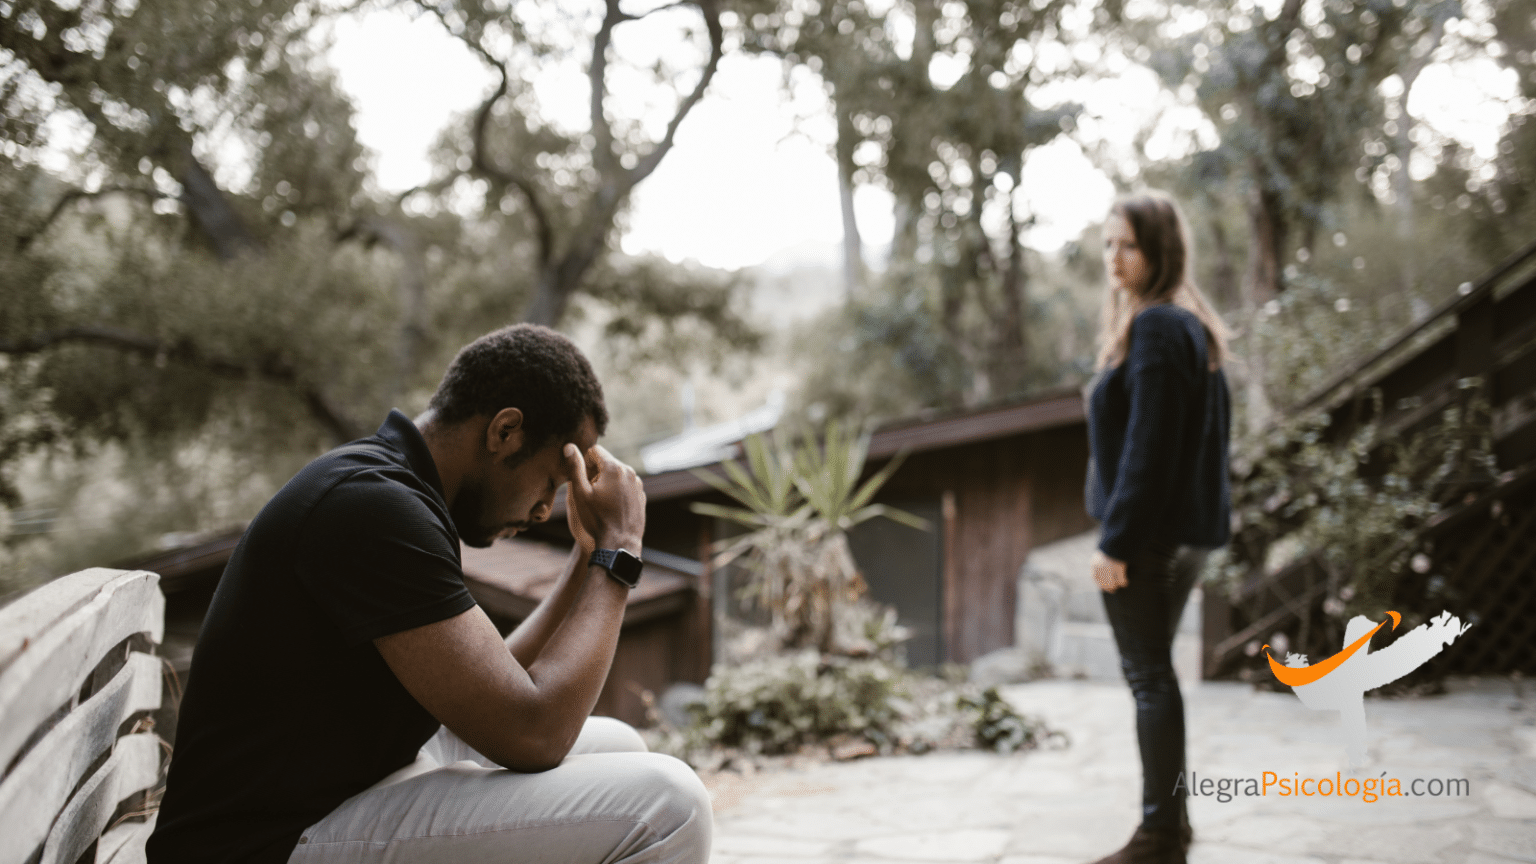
998 726
777 704
1357 505
822 704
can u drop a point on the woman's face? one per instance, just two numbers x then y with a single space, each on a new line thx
1124 264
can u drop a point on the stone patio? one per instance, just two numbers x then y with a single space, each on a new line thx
1075 804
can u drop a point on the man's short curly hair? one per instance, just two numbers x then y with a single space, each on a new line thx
525 366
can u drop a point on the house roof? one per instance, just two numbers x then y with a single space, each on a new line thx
919 434
707 445
511 576
915 434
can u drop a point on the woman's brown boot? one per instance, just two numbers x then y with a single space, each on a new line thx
1149 847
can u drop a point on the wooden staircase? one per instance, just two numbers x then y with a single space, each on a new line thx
1477 557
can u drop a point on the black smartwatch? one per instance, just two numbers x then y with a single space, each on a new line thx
620 564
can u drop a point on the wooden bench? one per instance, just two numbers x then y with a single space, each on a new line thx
78 681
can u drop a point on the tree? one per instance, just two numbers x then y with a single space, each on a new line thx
151 82
149 77
150 109
1295 98
212 270
939 104
1498 211
520 154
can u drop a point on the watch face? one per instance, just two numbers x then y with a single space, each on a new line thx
627 567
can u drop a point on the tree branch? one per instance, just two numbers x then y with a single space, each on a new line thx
711 12
485 164
211 212
557 282
79 75
1284 24
603 157
662 8
270 368
25 239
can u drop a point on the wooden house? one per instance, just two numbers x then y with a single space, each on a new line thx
993 483
657 645
663 640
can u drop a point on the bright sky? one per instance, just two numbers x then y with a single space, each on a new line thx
746 180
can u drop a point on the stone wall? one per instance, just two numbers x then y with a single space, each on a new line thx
1060 624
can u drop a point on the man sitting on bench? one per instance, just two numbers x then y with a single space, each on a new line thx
349 702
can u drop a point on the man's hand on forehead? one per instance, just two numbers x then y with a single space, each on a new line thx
607 503
593 462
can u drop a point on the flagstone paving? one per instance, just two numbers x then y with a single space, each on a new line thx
1078 803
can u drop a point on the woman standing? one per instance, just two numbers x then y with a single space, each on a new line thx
1157 482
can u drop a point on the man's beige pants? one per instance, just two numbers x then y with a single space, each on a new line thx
610 801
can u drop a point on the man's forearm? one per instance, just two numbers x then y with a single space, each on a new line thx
526 714
530 636
569 673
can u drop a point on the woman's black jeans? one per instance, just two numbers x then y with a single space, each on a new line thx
1144 616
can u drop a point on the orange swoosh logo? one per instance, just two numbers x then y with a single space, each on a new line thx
1295 676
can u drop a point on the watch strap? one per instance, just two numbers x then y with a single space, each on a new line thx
622 565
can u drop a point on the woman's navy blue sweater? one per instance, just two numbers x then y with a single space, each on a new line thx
1158 427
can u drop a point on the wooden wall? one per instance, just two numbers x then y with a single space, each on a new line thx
999 499
650 656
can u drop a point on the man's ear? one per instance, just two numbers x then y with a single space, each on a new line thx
504 435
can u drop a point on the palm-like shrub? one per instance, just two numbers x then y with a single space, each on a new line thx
799 503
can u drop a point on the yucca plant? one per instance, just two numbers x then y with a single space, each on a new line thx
799 503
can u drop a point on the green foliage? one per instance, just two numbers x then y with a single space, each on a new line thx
951 153
776 704
804 701
1352 504
999 726
828 477
1313 330
887 354
656 313
1355 505
1497 218
766 486
878 358
211 278
311 165
1294 94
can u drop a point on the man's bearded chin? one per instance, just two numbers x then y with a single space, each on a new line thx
467 513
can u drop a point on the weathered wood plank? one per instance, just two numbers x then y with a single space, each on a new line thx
32 794
134 765
24 620
48 672
1270 619
125 843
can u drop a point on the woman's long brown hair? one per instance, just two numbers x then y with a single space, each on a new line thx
1159 230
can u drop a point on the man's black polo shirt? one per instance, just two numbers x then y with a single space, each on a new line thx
289 708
